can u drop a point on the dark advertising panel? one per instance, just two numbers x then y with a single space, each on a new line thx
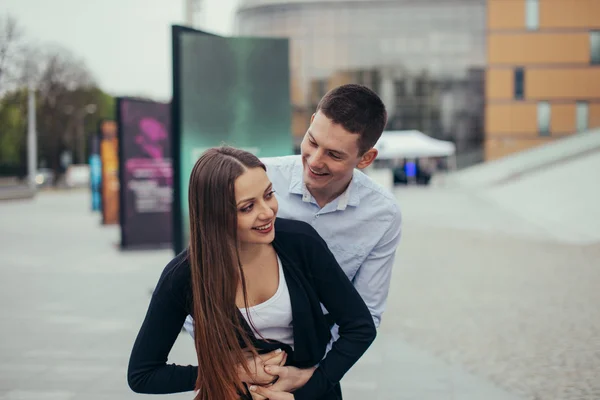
145 173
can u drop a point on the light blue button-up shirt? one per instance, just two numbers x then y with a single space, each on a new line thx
361 227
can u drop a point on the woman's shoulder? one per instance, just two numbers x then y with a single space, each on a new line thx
175 277
297 235
299 230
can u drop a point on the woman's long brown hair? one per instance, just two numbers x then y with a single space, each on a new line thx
216 272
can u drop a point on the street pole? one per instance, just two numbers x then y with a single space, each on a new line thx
189 12
81 134
31 139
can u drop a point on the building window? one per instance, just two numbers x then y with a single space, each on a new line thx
532 14
519 83
582 116
543 117
595 47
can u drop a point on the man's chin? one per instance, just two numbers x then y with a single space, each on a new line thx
317 186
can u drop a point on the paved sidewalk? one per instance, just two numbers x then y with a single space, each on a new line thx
15 192
71 304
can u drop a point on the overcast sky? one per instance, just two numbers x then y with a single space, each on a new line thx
125 43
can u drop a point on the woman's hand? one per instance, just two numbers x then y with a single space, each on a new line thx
290 378
263 393
257 365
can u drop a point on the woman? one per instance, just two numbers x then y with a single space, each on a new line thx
253 284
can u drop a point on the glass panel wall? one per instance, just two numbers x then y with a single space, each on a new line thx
426 59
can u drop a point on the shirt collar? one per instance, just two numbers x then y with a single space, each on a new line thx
350 197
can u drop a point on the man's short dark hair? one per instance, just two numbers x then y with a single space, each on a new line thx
358 110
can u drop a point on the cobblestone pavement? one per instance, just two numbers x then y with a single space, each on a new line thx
483 306
498 297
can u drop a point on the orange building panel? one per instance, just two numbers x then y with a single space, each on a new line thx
506 14
514 119
539 48
556 60
499 84
569 14
568 83
562 118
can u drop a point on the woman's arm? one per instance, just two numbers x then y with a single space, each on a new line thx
148 371
356 328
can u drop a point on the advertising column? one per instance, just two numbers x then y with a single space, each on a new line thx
109 159
145 173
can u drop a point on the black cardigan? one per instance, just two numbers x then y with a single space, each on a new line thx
313 277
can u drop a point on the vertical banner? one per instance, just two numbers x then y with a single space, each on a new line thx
233 91
109 159
95 172
145 173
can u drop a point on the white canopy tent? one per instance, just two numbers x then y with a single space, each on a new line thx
412 144
394 146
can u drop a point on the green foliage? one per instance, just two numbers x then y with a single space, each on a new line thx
105 104
55 127
13 125
69 104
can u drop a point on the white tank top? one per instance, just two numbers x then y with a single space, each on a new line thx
273 318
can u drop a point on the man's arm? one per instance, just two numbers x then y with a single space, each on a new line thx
372 279
372 282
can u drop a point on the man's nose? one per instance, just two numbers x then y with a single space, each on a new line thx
316 159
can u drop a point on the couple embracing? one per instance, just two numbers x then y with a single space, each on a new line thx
287 272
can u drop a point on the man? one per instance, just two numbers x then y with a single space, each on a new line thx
359 220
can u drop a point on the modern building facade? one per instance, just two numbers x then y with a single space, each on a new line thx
543 75
426 58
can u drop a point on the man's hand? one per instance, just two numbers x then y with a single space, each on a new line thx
260 393
290 378
257 365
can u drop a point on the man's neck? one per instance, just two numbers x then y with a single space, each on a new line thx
325 196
